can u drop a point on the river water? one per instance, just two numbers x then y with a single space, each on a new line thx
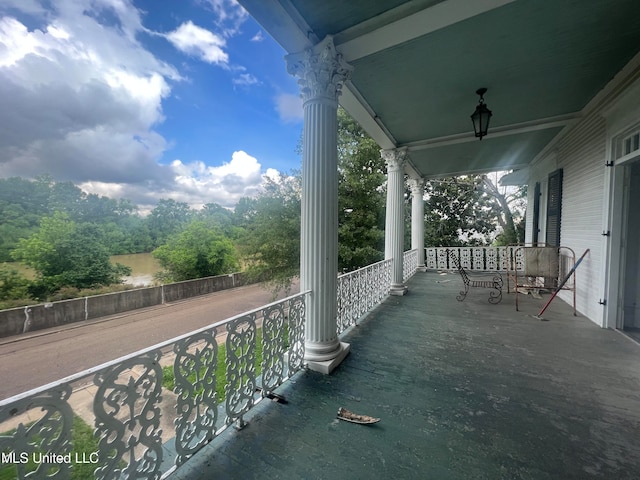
143 266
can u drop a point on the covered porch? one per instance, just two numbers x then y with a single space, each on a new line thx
560 83
464 390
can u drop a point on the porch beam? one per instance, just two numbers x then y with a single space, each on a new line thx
283 22
321 72
394 220
366 38
360 110
501 131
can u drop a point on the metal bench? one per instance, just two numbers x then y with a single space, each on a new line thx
495 284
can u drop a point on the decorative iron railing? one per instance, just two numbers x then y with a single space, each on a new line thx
409 264
205 380
361 290
481 259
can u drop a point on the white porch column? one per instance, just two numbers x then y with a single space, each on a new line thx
417 219
394 221
321 71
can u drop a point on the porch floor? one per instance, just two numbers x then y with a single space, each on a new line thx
464 390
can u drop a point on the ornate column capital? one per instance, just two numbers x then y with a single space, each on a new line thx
321 70
417 187
394 158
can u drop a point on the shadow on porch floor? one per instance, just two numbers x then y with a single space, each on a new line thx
464 391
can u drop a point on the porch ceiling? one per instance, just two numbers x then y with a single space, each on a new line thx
418 64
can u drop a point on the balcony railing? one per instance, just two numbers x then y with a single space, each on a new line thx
409 264
361 290
481 259
155 408
152 410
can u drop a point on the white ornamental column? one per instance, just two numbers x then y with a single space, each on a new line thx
322 72
417 219
394 221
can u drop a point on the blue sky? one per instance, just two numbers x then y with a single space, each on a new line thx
145 99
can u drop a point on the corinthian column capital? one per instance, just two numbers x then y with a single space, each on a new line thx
417 187
394 158
321 71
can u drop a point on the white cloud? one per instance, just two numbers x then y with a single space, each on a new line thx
199 42
27 6
16 42
80 99
258 37
229 15
195 183
59 33
273 175
245 79
226 184
289 107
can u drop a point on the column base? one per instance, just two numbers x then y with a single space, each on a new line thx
398 290
422 268
328 366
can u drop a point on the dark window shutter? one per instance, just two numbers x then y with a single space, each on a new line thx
554 207
536 214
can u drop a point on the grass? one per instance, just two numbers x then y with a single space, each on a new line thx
168 378
84 443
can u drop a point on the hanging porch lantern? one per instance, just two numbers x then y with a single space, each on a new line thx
481 116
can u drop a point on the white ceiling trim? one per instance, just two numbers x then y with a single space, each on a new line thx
294 35
413 26
597 105
283 22
476 171
515 178
361 112
359 109
502 131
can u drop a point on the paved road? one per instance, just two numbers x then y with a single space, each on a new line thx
31 360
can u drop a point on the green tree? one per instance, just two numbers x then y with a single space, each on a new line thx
167 218
221 217
470 209
12 284
31 196
361 196
64 253
271 221
22 204
68 198
508 209
200 250
456 212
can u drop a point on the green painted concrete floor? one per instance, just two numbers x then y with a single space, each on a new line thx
464 391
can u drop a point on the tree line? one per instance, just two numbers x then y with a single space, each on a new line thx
67 235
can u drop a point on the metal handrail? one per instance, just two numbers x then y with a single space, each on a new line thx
127 395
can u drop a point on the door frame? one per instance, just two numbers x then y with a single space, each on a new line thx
623 118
